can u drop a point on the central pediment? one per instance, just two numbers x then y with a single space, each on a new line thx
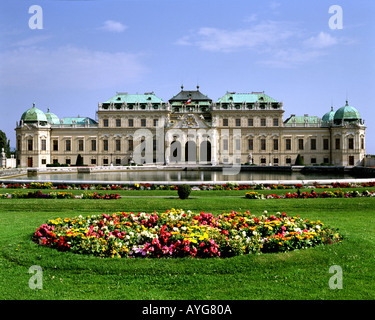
191 121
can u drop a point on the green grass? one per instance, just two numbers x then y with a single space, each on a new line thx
302 274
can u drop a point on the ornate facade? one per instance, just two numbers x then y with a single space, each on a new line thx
191 128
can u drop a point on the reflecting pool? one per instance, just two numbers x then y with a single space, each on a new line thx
175 176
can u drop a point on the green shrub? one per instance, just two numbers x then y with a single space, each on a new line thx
184 191
299 161
79 161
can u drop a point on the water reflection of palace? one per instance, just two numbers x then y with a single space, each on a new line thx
191 128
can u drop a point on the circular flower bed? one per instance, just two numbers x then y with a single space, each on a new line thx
179 233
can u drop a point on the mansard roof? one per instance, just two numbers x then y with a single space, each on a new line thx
194 95
78 120
302 119
124 97
233 97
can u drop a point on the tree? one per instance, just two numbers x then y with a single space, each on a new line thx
79 161
4 143
299 161
183 191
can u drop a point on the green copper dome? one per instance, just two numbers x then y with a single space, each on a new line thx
52 118
329 116
34 115
347 113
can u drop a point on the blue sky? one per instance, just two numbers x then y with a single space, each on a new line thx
89 50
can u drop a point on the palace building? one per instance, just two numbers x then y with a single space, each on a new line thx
191 128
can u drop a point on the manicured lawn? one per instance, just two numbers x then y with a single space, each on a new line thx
302 274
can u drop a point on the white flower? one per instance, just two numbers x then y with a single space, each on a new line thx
297 230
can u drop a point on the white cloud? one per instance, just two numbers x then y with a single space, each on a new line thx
272 43
290 57
322 40
267 33
68 67
30 41
274 5
113 26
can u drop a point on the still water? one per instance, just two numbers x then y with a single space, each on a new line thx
201 176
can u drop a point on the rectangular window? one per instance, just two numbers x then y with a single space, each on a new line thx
288 144
93 161
44 161
351 160
156 122
93 145
313 144
351 143
225 122
154 144
238 122
251 144
288 160
250 122
30 145
337 143
143 122
238 144
130 148
105 122
105 145
118 122
263 160
275 144
225 145
276 122
67 161
325 144
300 144
105 162
362 143
55 145
130 123
118 162
68 145
118 145
326 160
262 144
43 145
313 160
80 145
262 122
276 161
